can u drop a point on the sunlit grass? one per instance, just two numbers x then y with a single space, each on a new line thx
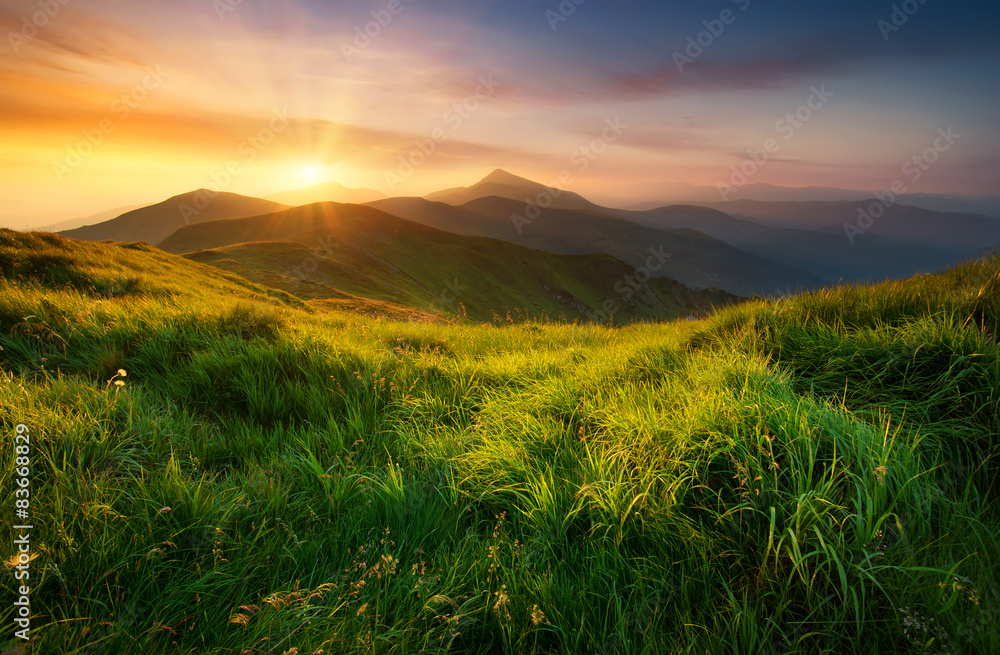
816 475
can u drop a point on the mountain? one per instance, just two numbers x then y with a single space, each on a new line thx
506 185
100 217
441 216
156 222
984 205
674 193
326 192
956 233
693 258
326 250
683 193
831 256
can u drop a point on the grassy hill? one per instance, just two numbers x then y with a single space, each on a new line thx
220 468
155 223
696 260
324 250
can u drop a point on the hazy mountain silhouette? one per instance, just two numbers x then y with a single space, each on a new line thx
830 256
955 233
506 185
675 193
326 192
156 222
100 217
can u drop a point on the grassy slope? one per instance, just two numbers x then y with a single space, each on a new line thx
326 249
813 476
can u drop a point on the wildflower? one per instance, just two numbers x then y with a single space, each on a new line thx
537 616
502 598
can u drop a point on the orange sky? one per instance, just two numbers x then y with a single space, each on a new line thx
113 104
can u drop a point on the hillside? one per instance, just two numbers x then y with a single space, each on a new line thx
154 223
322 250
216 467
695 259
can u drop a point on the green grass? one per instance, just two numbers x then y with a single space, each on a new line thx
815 475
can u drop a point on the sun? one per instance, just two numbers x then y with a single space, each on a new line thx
310 173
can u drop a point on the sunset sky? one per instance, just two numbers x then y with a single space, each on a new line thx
113 102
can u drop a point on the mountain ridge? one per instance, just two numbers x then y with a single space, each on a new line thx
330 191
363 251
153 223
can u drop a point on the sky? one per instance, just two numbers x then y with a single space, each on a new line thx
110 103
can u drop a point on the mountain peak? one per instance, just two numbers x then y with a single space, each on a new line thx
500 176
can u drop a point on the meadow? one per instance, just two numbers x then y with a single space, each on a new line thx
219 467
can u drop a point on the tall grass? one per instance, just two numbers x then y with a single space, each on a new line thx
814 475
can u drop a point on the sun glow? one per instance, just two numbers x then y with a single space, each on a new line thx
310 173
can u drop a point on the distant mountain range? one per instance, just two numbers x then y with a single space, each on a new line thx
513 244
326 192
955 233
688 256
100 217
506 185
828 254
155 223
683 193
